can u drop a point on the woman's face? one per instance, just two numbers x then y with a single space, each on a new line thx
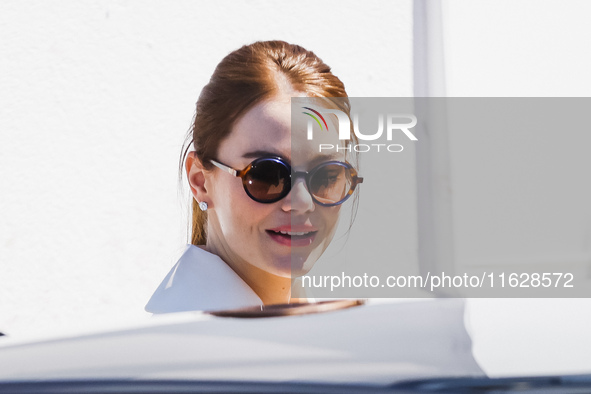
247 233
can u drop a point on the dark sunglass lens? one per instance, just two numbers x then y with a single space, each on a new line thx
267 180
331 183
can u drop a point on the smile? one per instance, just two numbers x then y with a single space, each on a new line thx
292 238
292 233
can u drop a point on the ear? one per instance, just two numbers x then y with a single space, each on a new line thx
196 176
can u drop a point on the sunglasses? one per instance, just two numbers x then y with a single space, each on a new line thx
269 179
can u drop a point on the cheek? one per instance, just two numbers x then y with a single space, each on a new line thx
240 217
331 217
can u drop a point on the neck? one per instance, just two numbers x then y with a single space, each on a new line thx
271 289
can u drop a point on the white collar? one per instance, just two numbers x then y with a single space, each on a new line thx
201 281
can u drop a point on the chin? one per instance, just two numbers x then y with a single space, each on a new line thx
292 266
302 264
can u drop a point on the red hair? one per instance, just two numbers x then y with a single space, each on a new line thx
241 80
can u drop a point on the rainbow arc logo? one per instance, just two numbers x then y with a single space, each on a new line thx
315 118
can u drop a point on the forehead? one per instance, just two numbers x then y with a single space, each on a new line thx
267 129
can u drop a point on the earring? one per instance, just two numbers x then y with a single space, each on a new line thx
203 206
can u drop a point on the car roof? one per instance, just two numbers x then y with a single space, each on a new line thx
377 344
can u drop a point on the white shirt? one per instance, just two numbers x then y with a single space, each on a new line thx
201 281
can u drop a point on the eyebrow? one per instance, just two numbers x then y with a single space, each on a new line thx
260 153
264 153
326 157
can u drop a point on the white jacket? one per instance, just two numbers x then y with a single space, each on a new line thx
201 281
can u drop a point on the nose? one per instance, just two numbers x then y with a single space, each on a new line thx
299 198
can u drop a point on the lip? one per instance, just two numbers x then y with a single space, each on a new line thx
296 240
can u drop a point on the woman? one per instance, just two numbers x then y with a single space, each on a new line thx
265 200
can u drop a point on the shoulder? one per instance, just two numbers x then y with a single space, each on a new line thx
201 281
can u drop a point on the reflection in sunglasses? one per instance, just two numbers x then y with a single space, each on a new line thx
268 179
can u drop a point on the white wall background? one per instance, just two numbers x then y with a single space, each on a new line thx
96 96
526 48
95 100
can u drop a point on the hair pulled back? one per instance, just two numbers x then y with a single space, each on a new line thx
241 80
